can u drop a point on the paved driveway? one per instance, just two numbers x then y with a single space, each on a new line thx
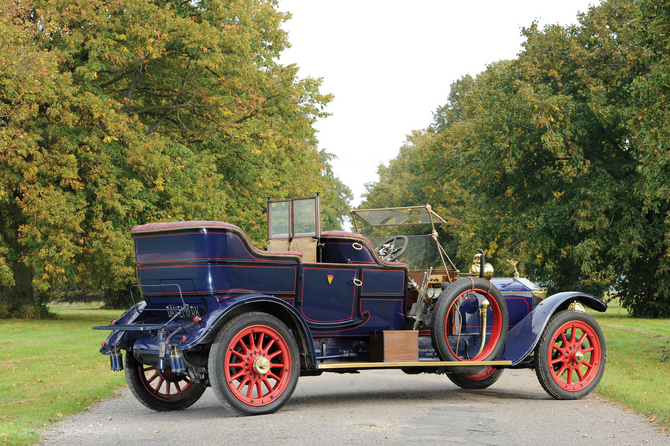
374 407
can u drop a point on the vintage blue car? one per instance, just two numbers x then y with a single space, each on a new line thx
217 311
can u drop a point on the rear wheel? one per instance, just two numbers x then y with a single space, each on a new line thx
457 307
571 355
161 390
254 364
479 381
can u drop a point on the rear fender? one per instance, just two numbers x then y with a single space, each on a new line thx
214 320
130 315
521 339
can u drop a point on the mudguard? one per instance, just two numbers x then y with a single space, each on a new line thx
522 339
130 315
211 322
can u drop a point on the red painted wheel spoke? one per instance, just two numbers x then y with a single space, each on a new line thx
270 344
558 360
160 384
238 354
237 375
267 383
167 387
561 371
237 364
259 389
276 365
177 386
581 340
153 377
259 341
565 341
273 355
273 376
570 370
243 383
251 345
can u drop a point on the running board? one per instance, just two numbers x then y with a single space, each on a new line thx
380 365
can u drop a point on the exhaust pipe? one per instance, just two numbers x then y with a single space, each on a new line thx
482 325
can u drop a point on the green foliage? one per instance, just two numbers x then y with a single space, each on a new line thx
335 196
125 112
559 159
25 312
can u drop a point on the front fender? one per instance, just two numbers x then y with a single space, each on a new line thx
521 339
214 319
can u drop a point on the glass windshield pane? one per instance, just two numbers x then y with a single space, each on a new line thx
421 253
397 216
304 217
278 219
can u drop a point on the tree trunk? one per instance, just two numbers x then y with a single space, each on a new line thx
22 292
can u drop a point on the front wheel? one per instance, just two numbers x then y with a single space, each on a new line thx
479 381
571 355
161 390
254 364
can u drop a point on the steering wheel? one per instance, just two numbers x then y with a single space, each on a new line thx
388 251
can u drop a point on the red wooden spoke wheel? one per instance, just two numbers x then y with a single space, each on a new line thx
254 364
165 385
574 355
257 365
161 390
570 358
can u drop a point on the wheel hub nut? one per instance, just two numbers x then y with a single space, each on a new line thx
261 365
579 356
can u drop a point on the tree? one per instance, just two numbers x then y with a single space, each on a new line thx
558 164
335 196
139 111
647 293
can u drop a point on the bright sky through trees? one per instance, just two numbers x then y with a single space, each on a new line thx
390 64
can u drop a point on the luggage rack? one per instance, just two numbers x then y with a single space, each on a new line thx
170 324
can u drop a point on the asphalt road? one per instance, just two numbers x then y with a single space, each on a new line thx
377 407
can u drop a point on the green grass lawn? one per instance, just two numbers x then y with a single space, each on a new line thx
52 368
638 363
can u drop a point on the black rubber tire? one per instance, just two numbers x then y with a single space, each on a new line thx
481 381
157 398
230 340
500 325
582 331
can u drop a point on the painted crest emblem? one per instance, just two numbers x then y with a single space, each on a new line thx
330 279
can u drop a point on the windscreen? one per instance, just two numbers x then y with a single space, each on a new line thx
304 217
278 219
421 253
398 216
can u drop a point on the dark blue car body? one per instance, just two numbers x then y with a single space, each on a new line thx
198 278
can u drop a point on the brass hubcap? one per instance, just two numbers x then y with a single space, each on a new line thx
579 356
261 365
